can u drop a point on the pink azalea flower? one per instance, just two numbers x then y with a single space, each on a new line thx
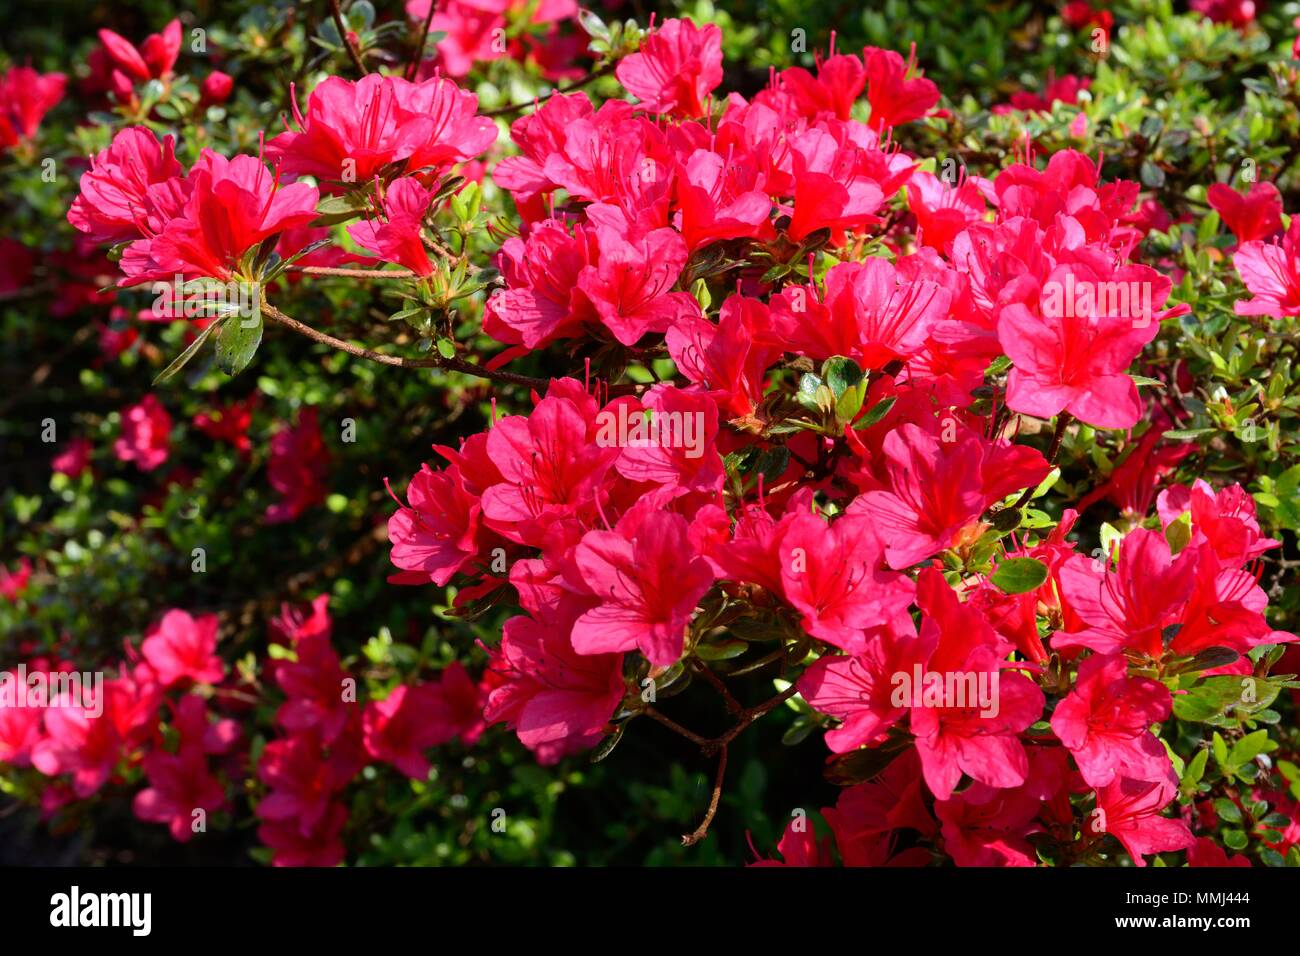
839 82
1129 810
74 459
1205 852
394 235
1129 607
837 185
557 700
233 205
869 312
675 69
13 584
152 60
1105 722
943 210
1256 215
859 690
436 536
298 468
314 684
179 784
302 782
719 197
630 287
351 132
91 747
725 357
937 490
897 91
146 434
180 647
1077 362
834 575
398 729
25 97
987 826
648 581
1271 272
550 465
1237 13
456 132
538 136
20 731
1224 519
799 847
542 301
959 737
684 457
319 846
114 202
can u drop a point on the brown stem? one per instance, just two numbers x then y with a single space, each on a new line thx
700 832
449 364
733 706
418 53
676 727
1063 421
343 37
354 273
575 85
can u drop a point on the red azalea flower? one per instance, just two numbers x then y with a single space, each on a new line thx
298 467
1129 810
180 647
1105 722
146 434
675 69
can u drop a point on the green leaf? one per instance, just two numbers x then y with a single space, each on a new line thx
1227 811
180 361
1220 749
335 209
606 746
877 412
1019 575
238 342
1249 747
1196 769
1235 839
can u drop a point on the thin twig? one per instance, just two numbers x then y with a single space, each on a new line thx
575 85
418 53
449 364
1063 421
700 832
734 706
354 273
676 728
343 36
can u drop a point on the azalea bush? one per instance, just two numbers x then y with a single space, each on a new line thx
501 432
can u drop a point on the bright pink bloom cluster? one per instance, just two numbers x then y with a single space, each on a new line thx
624 524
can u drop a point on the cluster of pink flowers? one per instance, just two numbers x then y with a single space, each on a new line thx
617 548
166 722
328 736
840 459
